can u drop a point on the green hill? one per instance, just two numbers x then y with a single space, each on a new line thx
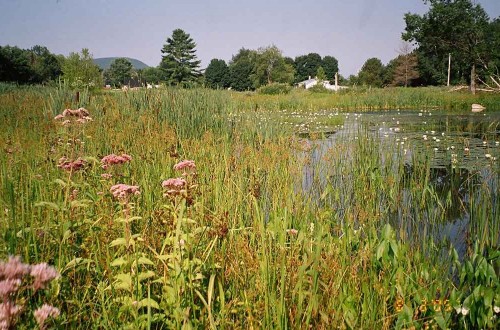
105 62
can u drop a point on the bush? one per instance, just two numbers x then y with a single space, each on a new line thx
275 89
319 88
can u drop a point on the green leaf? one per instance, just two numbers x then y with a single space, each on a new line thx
123 281
145 275
76 262
144 261
438 317
148 302
60 182
49 205
118 241
380 250
118 262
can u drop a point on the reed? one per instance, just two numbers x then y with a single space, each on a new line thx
271 231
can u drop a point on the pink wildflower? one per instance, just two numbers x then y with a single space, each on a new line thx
82 114
83 120
44 312
185 165
43 274
106 176
292 232
8 313
114 160
174 183
174 186
122 191
67 165
8 287
13 269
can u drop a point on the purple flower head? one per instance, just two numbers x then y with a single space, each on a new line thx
114 159
13 268
43 274
123 191
8 287
43 313
174 186
187 166
8 313
68 165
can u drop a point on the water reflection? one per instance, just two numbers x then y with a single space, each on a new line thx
462 152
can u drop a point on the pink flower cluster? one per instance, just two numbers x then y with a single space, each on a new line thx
68 165
188 166
173 186
8 314
114 160
42 274
82 114
11 274
43 313
123 191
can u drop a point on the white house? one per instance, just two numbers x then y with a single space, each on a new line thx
314 81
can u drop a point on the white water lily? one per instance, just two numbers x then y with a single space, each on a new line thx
462 310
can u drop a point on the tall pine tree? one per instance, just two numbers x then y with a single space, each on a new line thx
179 63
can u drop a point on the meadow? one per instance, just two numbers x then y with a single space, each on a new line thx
187 209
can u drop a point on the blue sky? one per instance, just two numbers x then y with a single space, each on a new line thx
350 30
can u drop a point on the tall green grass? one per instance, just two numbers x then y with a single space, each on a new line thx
246 247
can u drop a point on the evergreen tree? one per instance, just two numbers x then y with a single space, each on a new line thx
179 63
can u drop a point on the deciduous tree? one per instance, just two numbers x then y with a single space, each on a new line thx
270 67
306 66
80 71
456 27
371 73
331 66
120 71
241 68
405 70
217 74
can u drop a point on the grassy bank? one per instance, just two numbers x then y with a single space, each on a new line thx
240 244
367 99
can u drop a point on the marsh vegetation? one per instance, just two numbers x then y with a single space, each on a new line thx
366 227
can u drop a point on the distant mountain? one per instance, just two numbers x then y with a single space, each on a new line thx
105 62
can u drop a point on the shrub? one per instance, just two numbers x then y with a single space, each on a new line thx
318 88
275 89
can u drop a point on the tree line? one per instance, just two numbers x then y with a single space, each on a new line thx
459 30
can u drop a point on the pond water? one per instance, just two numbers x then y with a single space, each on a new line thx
462 150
